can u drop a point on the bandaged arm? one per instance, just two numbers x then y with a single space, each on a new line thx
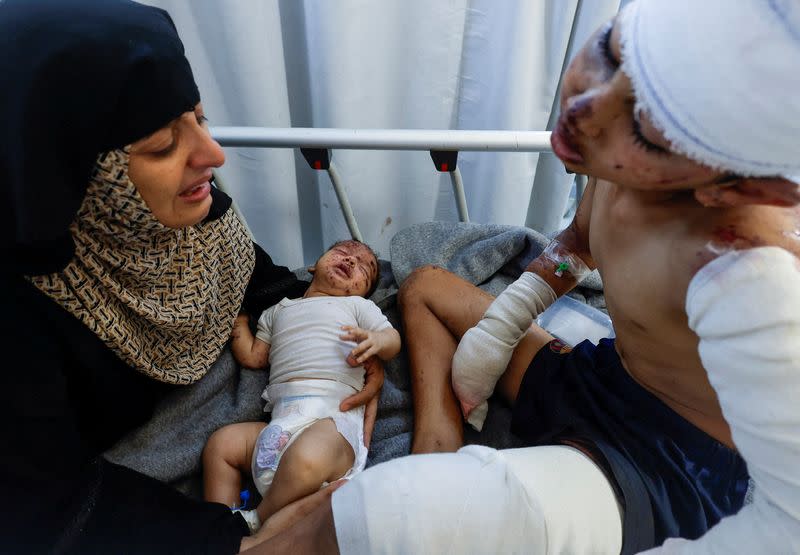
745 308
485 350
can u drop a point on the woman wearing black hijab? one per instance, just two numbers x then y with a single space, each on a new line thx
123 270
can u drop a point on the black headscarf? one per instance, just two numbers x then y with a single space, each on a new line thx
73 87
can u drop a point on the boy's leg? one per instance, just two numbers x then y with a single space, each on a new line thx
320 454
437 308
226 457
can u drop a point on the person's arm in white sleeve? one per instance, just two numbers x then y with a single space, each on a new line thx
745 308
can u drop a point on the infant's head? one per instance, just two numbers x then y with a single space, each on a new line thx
348 268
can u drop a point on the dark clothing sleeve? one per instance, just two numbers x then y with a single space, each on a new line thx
269 284
65 398
64 401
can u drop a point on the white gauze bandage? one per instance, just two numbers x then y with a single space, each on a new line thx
744 308
719 79
485 350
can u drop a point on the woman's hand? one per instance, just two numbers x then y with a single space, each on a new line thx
289 515
369 394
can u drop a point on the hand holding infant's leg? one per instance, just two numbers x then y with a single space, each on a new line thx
485 350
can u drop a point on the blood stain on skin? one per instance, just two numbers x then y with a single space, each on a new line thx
580 109
727 238
671 180
618 166
729 234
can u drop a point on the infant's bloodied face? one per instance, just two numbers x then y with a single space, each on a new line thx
599 132
347 268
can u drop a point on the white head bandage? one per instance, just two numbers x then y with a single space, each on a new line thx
720 79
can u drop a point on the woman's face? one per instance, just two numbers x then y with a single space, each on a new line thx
598 132
171 169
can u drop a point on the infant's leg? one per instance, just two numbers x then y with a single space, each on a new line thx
226 456
320 454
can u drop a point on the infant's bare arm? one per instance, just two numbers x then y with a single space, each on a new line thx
248 350
390 343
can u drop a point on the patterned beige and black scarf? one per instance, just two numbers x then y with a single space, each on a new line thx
163 299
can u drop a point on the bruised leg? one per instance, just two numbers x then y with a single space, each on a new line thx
437 308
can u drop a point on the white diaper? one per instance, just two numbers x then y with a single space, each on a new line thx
295 406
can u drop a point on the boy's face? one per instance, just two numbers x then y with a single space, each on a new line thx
348 268
599 134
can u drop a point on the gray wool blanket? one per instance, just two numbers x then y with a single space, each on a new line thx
169 446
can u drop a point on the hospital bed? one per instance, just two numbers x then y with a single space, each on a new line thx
488 255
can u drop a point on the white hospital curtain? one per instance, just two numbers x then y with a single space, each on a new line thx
418 64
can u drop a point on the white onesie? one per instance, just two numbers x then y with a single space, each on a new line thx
305 342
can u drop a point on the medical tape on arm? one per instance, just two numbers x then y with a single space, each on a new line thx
485 350
565 260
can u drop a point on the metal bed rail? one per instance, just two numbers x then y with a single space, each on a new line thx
443 145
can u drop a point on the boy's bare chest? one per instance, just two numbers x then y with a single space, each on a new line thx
647 253
646 260
645 256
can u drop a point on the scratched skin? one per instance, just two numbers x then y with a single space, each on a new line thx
653 218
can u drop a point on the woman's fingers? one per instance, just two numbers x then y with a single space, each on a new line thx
356 400
373 381
370 414
295 511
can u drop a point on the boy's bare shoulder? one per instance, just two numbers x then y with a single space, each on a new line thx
665 242
747 228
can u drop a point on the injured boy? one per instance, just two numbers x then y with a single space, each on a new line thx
316 347
687 115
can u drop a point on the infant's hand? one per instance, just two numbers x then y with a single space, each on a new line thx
369 343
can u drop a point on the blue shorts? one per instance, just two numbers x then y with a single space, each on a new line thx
672 479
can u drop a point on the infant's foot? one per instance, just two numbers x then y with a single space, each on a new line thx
251 518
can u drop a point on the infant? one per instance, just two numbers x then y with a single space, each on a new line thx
316 347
